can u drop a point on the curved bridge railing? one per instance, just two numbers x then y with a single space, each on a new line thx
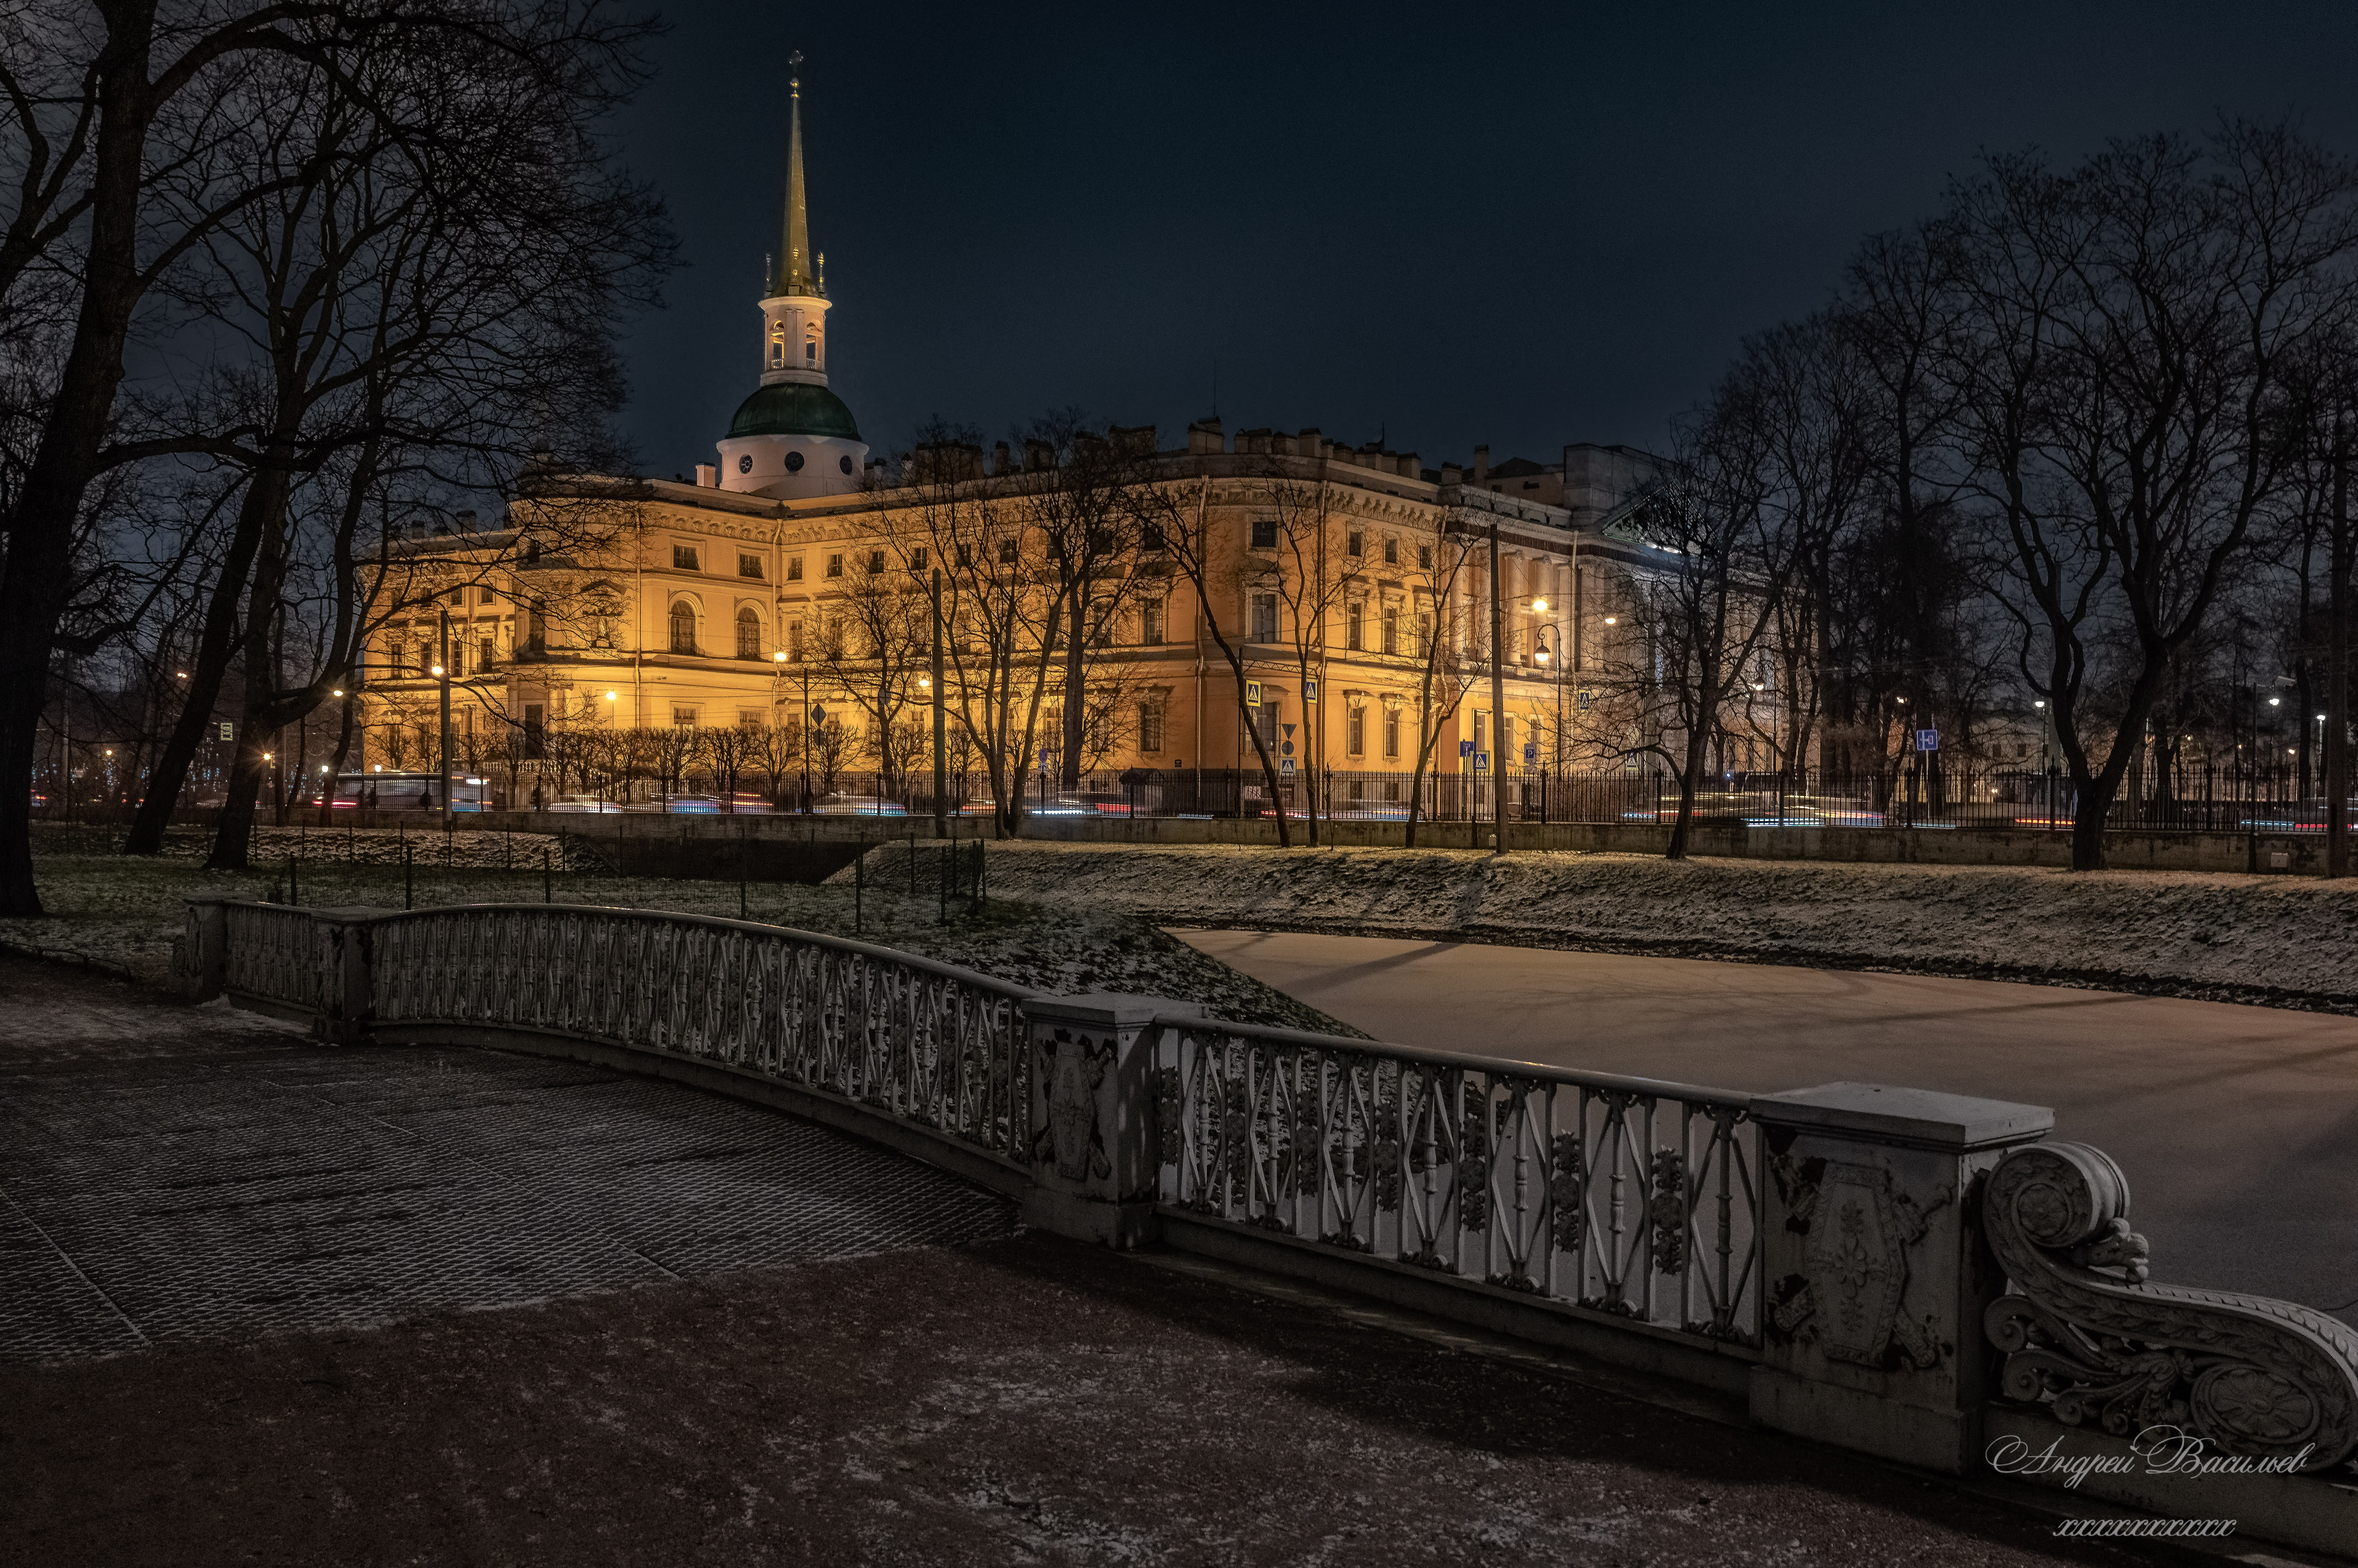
1917 1275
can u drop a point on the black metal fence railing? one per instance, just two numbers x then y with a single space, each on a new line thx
1933 799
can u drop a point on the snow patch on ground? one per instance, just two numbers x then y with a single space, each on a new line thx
2276 939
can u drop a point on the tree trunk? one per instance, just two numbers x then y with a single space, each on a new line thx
2337 680
34 587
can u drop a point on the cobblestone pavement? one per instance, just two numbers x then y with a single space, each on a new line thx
170 1174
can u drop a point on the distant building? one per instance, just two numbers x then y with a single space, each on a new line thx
737 601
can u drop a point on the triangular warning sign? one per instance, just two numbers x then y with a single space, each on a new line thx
1289 730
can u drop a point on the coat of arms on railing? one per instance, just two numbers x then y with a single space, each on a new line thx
1071 1067
2084 1333
1851 1297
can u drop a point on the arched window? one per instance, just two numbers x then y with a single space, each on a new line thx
748 634
810 344
683 628
777 345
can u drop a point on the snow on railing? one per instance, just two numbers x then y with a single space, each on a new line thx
1627 1197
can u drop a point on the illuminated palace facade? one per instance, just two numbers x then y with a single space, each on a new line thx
652 604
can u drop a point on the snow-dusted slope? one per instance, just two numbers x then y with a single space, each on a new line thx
2279 939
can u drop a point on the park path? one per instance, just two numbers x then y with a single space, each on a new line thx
172 1173
2237 1126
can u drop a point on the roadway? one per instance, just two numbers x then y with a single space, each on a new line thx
2237 1126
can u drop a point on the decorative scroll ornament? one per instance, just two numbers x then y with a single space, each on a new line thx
2251 1377
1073 1066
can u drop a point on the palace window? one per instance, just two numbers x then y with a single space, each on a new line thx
487 653
1264 618
1391 551
1009 550
794 569
1425 558
1355 615
835 565
683 717
1264 532
875 560
917 559
535 732
749 566
750 718
1392 629
1149 728
1391 730
683 558
1354 730
1150 622
795 641
1355 542
682 629
748 634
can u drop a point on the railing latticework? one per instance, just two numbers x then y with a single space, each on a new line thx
277 952
913 1039
1617 1195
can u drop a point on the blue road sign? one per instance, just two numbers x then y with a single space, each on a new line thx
1252 694
1465 747
1285 767
1927 739
1481 761
1530 753
1310 691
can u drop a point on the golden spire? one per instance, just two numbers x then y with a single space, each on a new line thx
795 274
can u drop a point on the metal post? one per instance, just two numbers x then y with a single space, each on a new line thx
941 728
1497 706
860 887
408 883
547 888
444 685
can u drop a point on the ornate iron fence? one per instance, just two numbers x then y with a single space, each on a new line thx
922 1042
1624 1196
275 951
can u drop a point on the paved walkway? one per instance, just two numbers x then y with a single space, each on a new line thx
228 1332
2237 1126
172 1174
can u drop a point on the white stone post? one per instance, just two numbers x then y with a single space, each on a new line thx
204 950
1873 1271
1097 1151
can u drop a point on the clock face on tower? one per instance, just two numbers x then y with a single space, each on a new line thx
745 464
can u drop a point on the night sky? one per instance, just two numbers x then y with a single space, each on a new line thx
1441 225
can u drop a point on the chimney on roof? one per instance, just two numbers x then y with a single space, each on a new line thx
1481 465
708 476
1038 457
1205 439
1002 458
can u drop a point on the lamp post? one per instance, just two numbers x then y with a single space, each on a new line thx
941 723
1543 654
442 676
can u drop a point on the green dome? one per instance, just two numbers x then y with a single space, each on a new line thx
794 408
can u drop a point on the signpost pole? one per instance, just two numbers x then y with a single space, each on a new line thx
1497 706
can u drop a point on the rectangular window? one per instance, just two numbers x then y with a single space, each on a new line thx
1264 618
794 569
1355 730
1425 558
1149 728
917 559
749 566
1507 758
1423 633
1264 532
835 565
487 655
1355 615
684 717
1481 732
1355 542
683 558
1392 629
535 732
795 641
1149 623
751 718
1007 548
1266 723
1391 551
1392 731
459 596
875 560
485 595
